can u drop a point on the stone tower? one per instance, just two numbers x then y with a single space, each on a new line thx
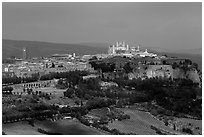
24 53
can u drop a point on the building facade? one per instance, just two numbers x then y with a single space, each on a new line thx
125 50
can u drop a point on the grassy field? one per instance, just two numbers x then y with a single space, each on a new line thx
20 128
139 123
65 127
133 125
68 127
196 125
99 112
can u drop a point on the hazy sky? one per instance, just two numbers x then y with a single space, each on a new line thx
166 25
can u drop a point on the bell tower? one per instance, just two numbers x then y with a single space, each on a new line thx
24 53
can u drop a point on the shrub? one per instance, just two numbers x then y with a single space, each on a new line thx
3 133
187 130
31 122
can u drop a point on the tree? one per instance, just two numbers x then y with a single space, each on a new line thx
31 122
187 130
53 65
93 58
77 102
127 68
68 93
95 124
104 120
195 65
3 133
93 84
174 65
29 91
87 96
164 62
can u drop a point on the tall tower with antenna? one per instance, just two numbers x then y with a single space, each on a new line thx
24 53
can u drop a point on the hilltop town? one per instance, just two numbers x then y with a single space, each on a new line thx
121 85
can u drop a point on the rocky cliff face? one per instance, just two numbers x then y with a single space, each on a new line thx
194 76
178 73
165 71
190 74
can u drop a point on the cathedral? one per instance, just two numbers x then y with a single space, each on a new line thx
125 50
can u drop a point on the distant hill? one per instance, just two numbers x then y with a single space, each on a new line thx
197 51
36 49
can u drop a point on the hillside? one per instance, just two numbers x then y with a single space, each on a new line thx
34 48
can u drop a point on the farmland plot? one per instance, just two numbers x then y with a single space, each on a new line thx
139 123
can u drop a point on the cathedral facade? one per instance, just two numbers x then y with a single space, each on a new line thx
125 50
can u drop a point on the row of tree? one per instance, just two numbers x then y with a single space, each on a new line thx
68 74
18 80
35 77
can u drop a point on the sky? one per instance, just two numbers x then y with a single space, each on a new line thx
163 25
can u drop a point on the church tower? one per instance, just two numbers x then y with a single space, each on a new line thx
24 53
138 48
113 52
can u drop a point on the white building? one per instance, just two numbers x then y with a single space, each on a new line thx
120 46
122 49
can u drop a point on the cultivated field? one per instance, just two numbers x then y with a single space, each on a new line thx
139 123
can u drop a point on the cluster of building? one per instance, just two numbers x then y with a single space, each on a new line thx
125 50
55 63
150 66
